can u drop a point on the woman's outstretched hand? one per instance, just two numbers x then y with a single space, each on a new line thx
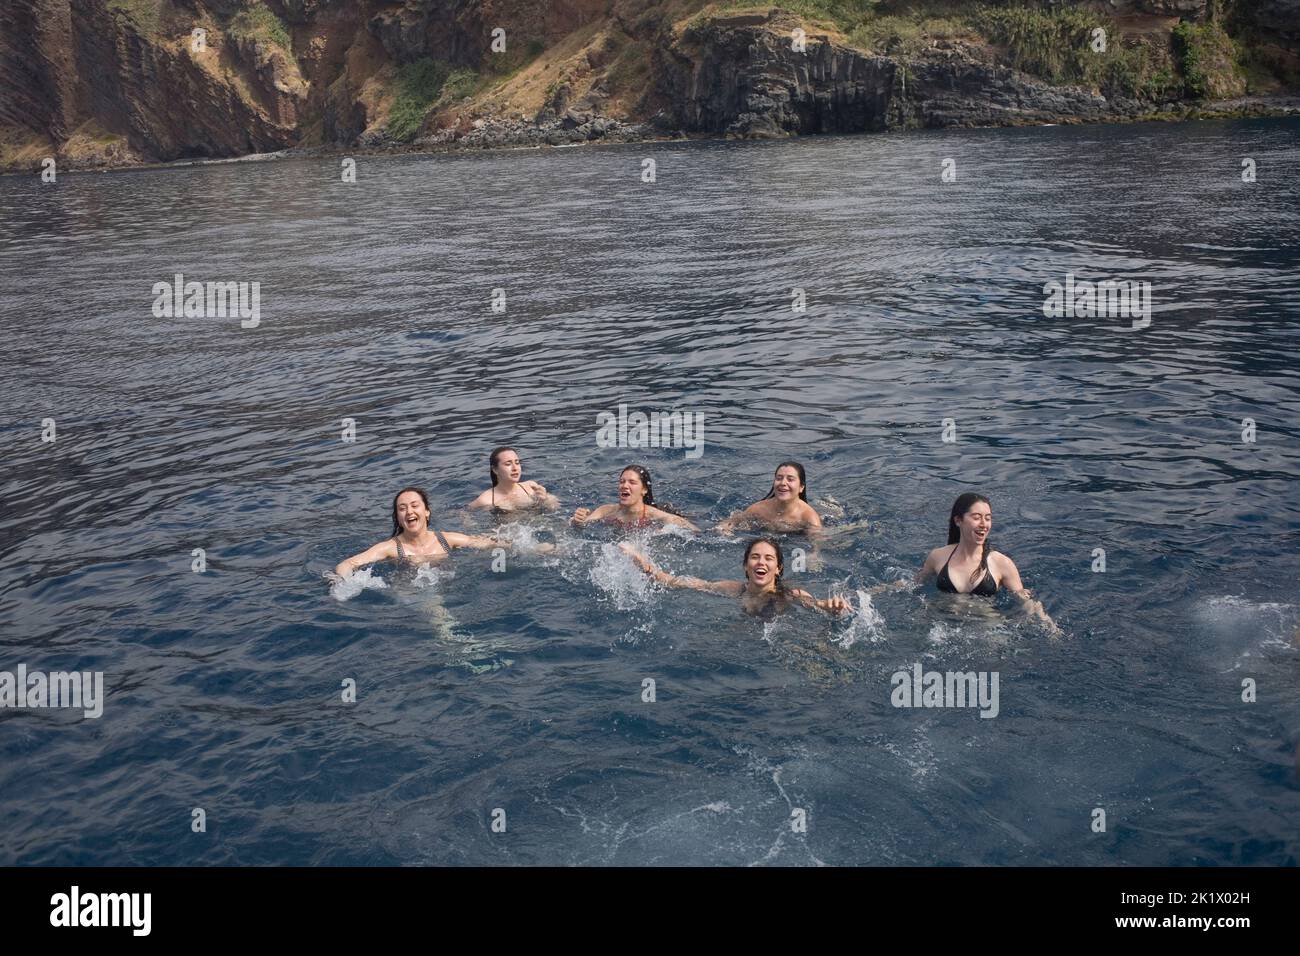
837 605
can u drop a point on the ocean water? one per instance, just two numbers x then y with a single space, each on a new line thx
488 695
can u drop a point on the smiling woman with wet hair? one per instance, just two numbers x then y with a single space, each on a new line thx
785 508
967 565
761 593
414 541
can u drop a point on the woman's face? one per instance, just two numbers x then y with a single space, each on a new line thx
509 466
631 489
760 565
412 515
786 484
976 524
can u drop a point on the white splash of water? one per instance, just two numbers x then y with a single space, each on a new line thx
349 587
828 507
1247 626
520 536
867 624
667 530
617 577
430 576
941 633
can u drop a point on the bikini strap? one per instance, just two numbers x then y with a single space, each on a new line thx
442 541
401 555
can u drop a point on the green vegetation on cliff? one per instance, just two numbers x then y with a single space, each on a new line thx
258 22
418 86
145 15
1207 58
1053 41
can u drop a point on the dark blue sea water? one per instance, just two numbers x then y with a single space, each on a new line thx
522 690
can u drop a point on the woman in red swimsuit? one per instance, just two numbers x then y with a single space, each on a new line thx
636 505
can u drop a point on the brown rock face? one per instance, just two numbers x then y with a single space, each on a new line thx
109 82
36 90
147 95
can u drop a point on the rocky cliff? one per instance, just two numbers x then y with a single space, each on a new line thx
115 82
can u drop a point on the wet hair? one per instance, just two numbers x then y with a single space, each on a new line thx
780 560
643 473
649 496
424 496
803 481
492 460
960 507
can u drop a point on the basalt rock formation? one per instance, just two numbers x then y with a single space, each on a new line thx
116 82
739 76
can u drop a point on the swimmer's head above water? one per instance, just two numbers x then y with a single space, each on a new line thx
504 463
411 511
764 564
634 486
789 482
972 517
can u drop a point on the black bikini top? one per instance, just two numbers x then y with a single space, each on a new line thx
401 553
987 586
532 501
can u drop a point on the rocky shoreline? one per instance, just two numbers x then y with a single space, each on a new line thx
492 136
353 85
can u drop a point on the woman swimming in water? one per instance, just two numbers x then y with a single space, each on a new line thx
785 508
414 541
636 505
762 591
965 565
508 493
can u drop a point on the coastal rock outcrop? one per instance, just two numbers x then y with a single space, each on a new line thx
743 76
115 82
740 76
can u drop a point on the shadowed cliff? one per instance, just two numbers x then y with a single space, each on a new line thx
118 82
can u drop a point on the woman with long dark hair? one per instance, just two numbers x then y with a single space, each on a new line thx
636 506
508 492
761 592
785 508
414 541
967 565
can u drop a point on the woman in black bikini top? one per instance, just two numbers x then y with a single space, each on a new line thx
967 565
414 541
508 493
